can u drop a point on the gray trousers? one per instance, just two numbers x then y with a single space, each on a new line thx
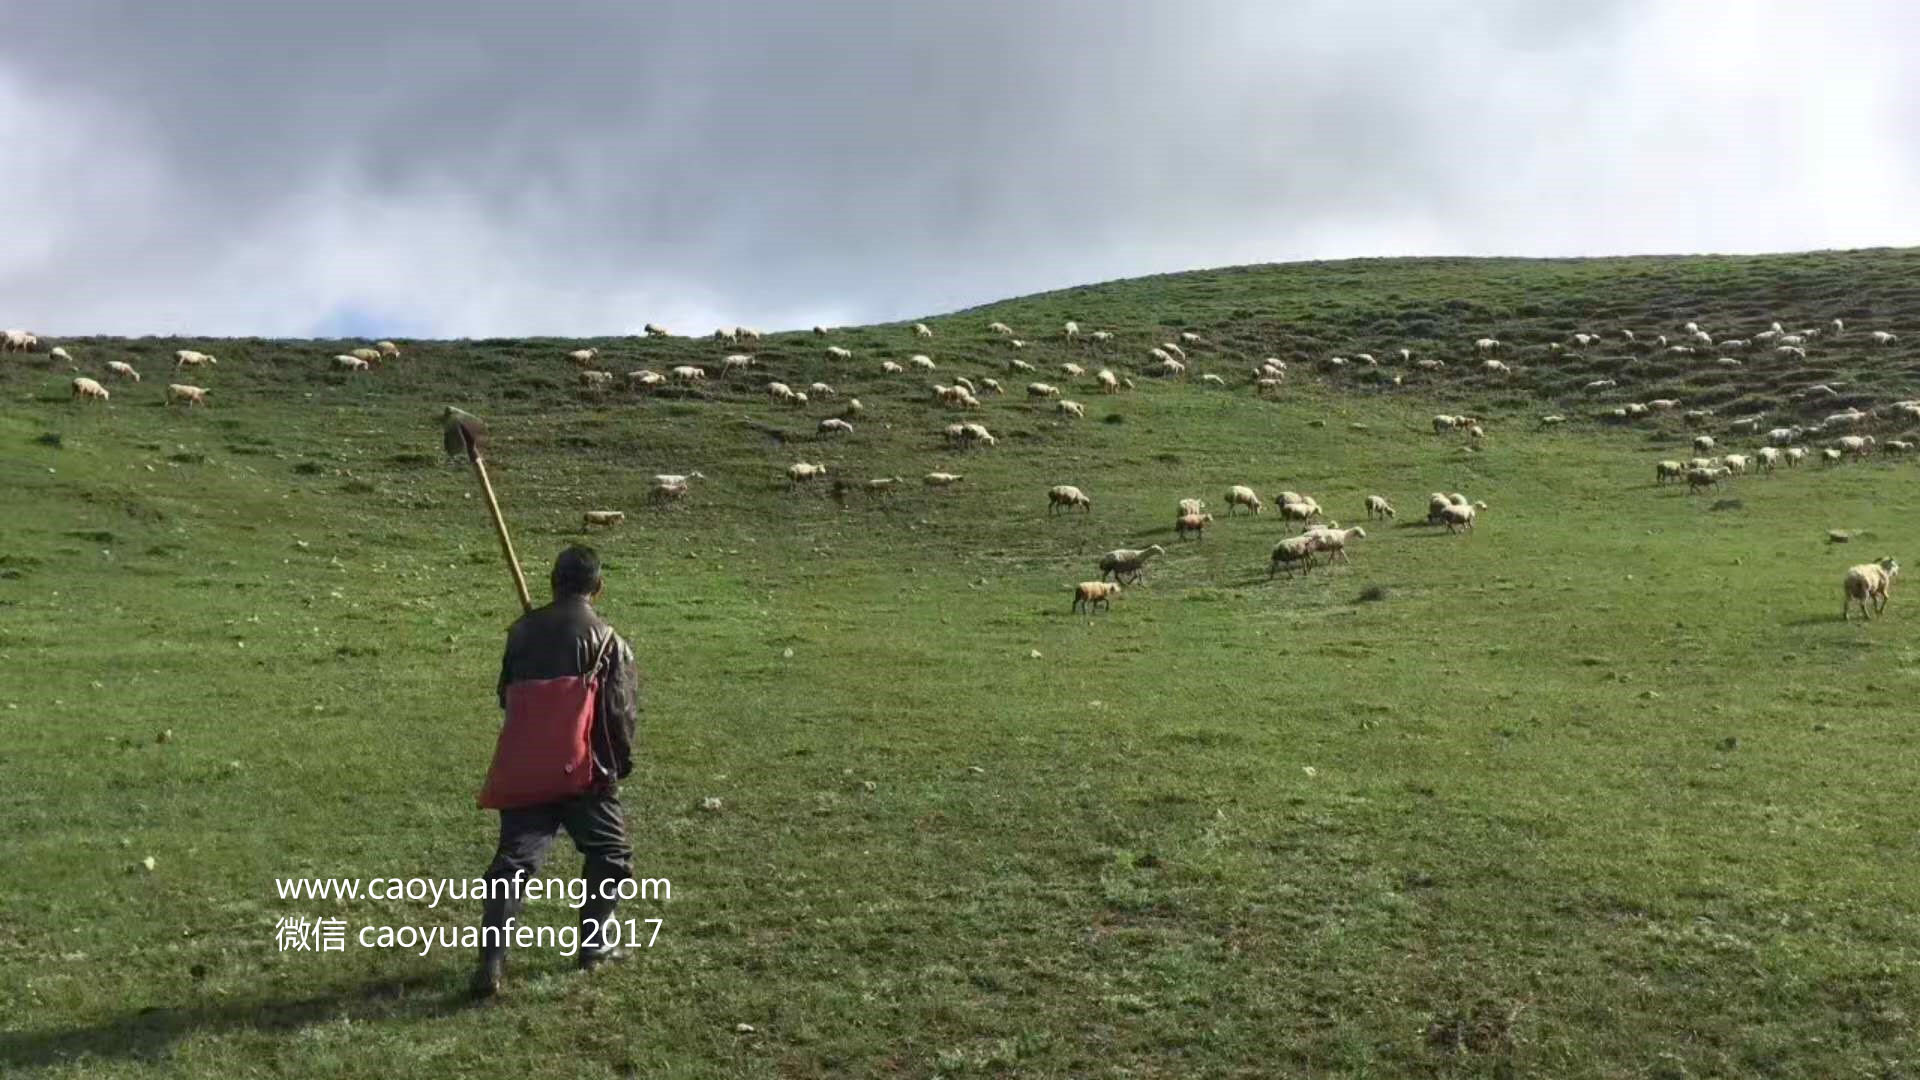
598 828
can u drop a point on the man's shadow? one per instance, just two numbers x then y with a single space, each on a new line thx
149 1034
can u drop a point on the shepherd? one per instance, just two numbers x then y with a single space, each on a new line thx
570 690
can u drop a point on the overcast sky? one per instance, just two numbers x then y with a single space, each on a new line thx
393 167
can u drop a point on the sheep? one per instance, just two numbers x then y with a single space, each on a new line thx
1702 462
1868 582
1190 506
349 363
667 492
1168 369
1727 361
645 378
1476 432
922 362
1794 351
88 389
1636 408
819 331
651 330
1016 343
1486 345
596 380
734 362
1496 367
1303 509
1664 471
1334 540
1174 350
1854 445
388 349
1443 423
1458 518
1838 327
1000 328
1746 425
1703 337
837 352
18 341
1269 387
891 367
1367 359
1437 504
882 484
1898 446
1160 355
120 369
1428 363
1600 384
942 479
1831 456
822 390
192 395
1192 523
1881 337
854 408
1378 506
1697 416
1241 495
1618 415
1849 418
1066 497
976 433
1784 436
1109 383
1735 464
992 386
799 399
1071 408
1017 364
1191 338
1072 371
1291 552
1211 379
603 517
1336 361
60 353
1788 340
1680 350
1766 458
922 330
1124 563
803 472
672 479
728 335
371 356
833 425
688 373
1702 443
956 434
584 357
186 358
1552 419
1090 595
1042 390
746 333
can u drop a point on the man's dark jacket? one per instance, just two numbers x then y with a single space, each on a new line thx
562 639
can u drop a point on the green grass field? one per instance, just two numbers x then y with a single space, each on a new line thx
1605 788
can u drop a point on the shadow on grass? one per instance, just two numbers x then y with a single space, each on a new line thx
149 1034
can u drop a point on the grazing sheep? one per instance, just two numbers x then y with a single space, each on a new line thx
1702 443
1699 480
882 484
1697 416
1168 369
1636 408
922 362
833 425
1017 364
1831 456
1794 351
1496 367
854 408
1042 390
1000 328
1192 523
603 517
1854 445
644 379
670 479
1476 432
1101 336
1291 552
1784 436
1881 337
1190 506
1457 518
746 334
371 356
822 390
1125 563
799 399
1066 497
727 335
1072 371
1269 387
837 352
667 492
1334 540
941 479
1735 464
891 367
584 356
120 369
1071 408
596 380
688 373
804 472
1160 355
1868 583
1898 446
1071 330
1191 338
1016 343
1378 506
1302 509
1109 383
1241 495
819 331
350 363
388 349
192 395
976 433
1174 350
1601 384
734 362
186 358
922 330
1211 379
1551 420
1664 471
60 353
1766 458
1091 595
18 341
651 330
1486 344
1436 504
87 389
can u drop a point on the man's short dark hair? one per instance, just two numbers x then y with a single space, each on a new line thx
576 572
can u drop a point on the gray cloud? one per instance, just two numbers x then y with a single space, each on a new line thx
582 167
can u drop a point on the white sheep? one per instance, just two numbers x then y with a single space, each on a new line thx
350 363
1795 455
1766 458
688 373
992 386
1192 523
651 330
1486 344
18 341
1072 371
922 330
59 352
1334 540
1174 349
884 484
822 390
645 378
1190 506
186 358
1702 443
1831 456
1458 518
1867 584
735 362
1042 390
1784 436
1854 445
89 390
1124 563
1881 337
1071 330
922 362
1101 336
1241 495
388 349
1210 379
1496 367
120 369
1017 364
803 472
1109 382
596 380
1552 419
1291 552
584 356
1000 328
1665 471
1091 595
1269 387
1378 506
603 517
1600 384
853 408
192 395
837 352
1302 509
833 425
941 479
1066 497
1191 338
891 367
1071 408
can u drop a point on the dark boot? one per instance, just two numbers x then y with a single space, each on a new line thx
493 954
592 914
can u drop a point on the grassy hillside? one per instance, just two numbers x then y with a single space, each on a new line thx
1605 788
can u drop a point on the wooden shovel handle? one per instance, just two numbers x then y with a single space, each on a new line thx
500 530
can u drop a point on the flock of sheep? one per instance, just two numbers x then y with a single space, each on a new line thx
1867 585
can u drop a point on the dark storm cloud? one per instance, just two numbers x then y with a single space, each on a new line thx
443 168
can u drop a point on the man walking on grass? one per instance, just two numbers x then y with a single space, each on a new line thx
567 638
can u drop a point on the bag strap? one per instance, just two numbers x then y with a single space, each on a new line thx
592 674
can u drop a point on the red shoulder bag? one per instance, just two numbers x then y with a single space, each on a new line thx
542 755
